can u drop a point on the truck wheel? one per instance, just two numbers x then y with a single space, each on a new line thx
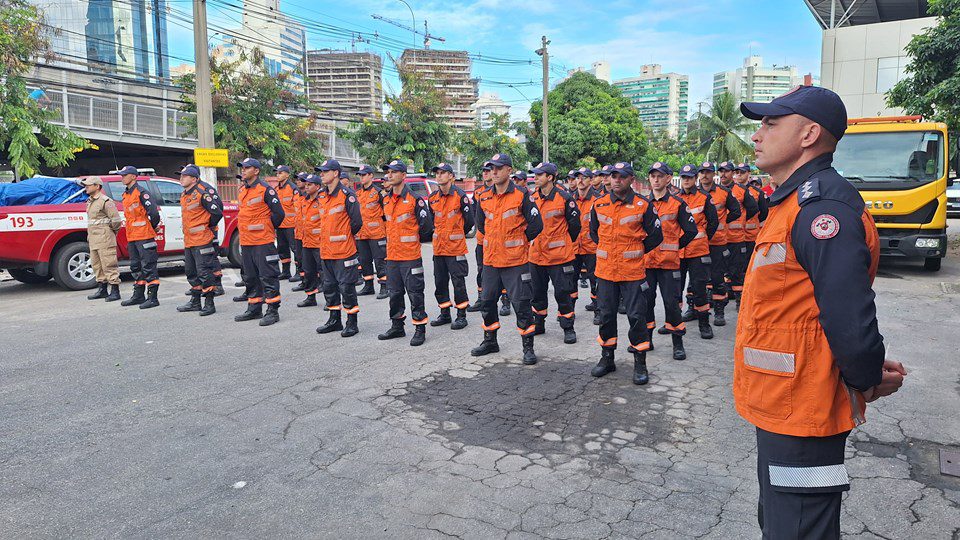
932 264
27 275
71 267
233 252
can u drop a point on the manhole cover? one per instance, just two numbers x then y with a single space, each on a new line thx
949 462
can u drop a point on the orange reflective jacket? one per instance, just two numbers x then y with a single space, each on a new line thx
452 219
509 221
621 227
585 244
288 196
476 208
674 220
556 244
371 210
140 213
259 207
408 218
752 226
298 202
719 195
700 207
339 221
201 210
311 230
736 228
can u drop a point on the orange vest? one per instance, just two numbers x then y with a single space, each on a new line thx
298 206
621 233
196 218
371 209
476 194
256 229
403 229
553 245
138 222
666 256
736 228
699 246
336 238
288 195
585 244
784 376
449 239
310 227
504 242
752 226
719 197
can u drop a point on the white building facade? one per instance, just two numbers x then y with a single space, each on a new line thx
486 105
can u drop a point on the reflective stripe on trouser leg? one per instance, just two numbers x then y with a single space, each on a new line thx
267 267
636 303
414 283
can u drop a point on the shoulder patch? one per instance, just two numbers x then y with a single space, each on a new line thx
808 191
212 191
824 227
208 198
145 195
420 202
271 192
352 199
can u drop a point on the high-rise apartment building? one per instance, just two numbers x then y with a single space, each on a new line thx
281 39
346 84
754 82
486 105
660 97
450 72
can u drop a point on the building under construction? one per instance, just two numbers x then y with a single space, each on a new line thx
450 72
346 85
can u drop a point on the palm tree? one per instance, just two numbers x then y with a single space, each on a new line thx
719 130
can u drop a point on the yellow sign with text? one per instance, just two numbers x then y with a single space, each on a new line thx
211 157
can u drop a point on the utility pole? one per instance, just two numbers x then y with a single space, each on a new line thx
201 57
542 51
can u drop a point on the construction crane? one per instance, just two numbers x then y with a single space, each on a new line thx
427 36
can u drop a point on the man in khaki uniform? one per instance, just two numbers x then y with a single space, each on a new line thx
103 222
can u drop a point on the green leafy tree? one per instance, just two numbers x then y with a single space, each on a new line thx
256 114
588 118
477 144
719 131
932 85
26 134
413 129
674 152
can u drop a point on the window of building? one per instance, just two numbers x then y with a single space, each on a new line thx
890 71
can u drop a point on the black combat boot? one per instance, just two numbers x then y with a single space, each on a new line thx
596 318
583 283
188 292
706 331
663 330
718 318
606 364
396 330
239 283
296 278
529 357
242 297
383 291
285 272
504 306
333 323
208 306
254 311
461 321
151 301
569 334
367 288
474 307
272 315
690 314
622 307
443 319
101 292
114 294
309 301
351 327
678 352
591 305
640 375
137 297
218 289
192 305
488 345
419 335
539 324
298 287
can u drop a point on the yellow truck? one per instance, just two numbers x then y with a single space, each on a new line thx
900 166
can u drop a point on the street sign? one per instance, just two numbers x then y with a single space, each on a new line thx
211 157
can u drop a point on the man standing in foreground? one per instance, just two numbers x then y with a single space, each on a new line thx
452 219
202 210
103 223
142 221
808 353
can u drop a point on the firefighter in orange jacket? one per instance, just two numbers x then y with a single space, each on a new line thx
453 217
736 230
260 214
625 227
372 238
552 253
509 220
409 222
585 263
486 173
311 208
663 263
808 352
299 198
695 258
728 211
741 175
142 221
286 233
202 211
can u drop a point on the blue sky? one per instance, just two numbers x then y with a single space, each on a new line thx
697 38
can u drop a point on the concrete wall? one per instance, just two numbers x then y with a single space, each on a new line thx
850 57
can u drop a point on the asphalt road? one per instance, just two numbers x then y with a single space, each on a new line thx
117 422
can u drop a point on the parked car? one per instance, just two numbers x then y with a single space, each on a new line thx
953 199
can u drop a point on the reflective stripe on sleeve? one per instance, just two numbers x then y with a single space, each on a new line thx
695 210
629 219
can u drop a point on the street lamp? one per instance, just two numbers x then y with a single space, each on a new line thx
414 19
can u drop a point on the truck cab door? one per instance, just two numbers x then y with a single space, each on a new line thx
172 231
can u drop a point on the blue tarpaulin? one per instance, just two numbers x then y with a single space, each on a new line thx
40 190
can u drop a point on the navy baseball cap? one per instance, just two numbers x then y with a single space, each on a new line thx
596 172
519 175
584 171
622 167
661 167
501 160
189 170
313 179
365 169
742 167
706 166
282 168
344 175
130 169
688 170
813 102
328 165
572 174
486 166
395 165
249 162
726 166
545 168
606 170
442 167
